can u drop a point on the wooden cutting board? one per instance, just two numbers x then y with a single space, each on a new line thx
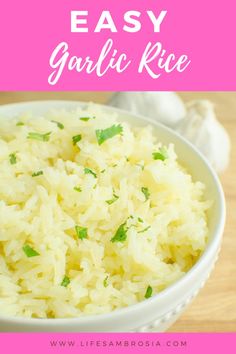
214 309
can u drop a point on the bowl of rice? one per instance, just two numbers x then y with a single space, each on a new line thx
109 222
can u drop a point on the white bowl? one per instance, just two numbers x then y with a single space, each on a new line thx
161 310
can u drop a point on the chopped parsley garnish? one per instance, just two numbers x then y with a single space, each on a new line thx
113 200
12 159
59 125
38 136
77 189
88 171
146 193
105 282
36 174
103 171
108 133
147 228
76 138
161 154
85 119
29 251
140 220
19 124
66 281
82 232
148 292
121 233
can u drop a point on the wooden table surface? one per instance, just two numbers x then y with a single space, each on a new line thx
214 309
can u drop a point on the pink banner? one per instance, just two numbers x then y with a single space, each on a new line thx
117 45
120 343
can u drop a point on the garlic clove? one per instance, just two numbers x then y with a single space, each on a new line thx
165 107
202 128
196 121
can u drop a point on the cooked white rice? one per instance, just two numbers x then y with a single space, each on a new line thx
72 274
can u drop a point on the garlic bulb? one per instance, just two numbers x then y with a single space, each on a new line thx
196 121
165 107
201 127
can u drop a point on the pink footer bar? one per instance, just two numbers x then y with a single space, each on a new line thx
127 343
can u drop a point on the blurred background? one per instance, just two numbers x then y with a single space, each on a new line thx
214 310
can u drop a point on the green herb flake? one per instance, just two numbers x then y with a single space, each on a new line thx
144 230
146 193
103 171
121 234
59 125
85 119
76 139
105 282
66 281
12 159
88 171
108 133
161 154
140 220
77 189
29 251
36 174
82 232
39 137
19 124
113 200
148 293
